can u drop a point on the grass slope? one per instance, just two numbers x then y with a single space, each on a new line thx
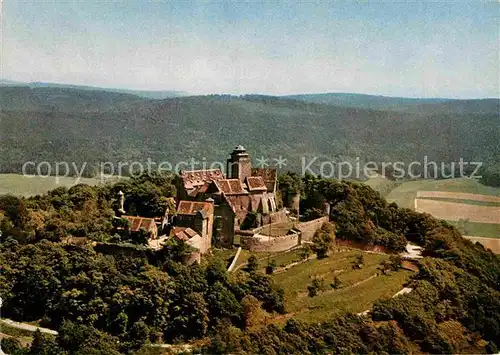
382 185
359 288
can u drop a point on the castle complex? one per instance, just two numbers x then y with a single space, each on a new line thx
245 197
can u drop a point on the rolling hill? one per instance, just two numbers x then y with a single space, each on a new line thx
424 106
148 94
74 125
362 100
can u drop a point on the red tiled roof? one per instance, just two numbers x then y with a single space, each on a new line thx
192 207
267 174
199 189
138 223
256 183
184 233
231 187
239 204
194 178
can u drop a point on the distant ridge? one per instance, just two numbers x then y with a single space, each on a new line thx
148 94
363 100
65 124
401 104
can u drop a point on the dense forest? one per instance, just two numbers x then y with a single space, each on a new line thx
105 302
56 124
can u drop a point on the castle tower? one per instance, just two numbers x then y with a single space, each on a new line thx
239 165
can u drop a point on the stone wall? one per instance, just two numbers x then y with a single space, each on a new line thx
274 217
128 249
307 229
260 242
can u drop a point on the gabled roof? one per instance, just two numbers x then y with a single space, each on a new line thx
239 204
268 175
256 183
184 233
193 207
138 223
198 189
231 187
194 178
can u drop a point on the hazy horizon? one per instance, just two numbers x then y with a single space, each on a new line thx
414 50
188 93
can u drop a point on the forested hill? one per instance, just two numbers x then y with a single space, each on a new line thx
362 100
414 105
62 124
148 94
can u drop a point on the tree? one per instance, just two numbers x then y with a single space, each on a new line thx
305 252
358 261
289 185
385 267
252 311
316 286
189 318
270 267
11 346
44 344
395 262
138 335
336 282
223 304
141 237
252 264
323 240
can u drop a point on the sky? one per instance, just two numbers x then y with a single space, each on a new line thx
394 48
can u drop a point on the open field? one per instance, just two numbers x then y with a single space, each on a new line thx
405 194
467 202
382 185
457 196
488 243
488 230
358 290
452 211
20 185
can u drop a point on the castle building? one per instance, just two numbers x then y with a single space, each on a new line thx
198 217
243 191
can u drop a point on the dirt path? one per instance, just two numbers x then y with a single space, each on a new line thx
235 259
27 327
